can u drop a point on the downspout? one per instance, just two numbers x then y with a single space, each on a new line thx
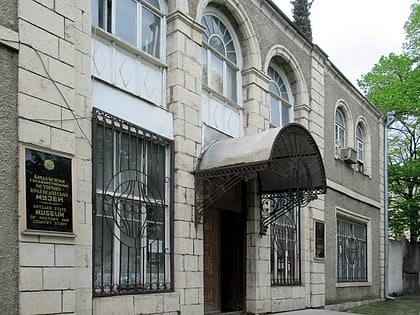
390 118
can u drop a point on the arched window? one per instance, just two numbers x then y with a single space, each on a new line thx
137 22
281 111
221 64
220 61
360 147
340 129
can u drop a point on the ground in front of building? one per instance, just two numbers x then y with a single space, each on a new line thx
402 305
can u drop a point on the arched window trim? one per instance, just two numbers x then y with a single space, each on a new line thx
364 163
343 109
290 101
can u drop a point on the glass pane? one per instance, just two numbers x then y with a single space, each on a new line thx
95 13
273 88
154 3
104 160
274 112
156 171
126 20
339 118
283 92
359 133
150 35
217 44
231 84
285 113
216 74
360 151
103 252
319 240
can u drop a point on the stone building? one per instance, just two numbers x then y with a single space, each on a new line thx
181 157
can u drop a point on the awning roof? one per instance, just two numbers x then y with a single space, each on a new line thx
285 160
239 151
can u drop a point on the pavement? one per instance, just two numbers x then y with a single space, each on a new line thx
401 305
315 312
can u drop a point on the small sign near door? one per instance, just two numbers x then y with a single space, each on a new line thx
48 189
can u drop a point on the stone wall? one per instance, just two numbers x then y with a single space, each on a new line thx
54 111
404 267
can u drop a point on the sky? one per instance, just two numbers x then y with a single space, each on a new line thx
356 33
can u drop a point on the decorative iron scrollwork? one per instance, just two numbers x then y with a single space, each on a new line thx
276 205
211 185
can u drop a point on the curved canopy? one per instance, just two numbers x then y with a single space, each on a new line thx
285 160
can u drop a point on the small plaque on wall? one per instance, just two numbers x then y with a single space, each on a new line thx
48 180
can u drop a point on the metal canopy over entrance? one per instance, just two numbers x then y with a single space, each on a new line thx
286 161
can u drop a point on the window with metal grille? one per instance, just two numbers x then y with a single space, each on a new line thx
132 246
285 249
351 251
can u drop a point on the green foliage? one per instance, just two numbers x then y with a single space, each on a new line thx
393 84
412 30
301 12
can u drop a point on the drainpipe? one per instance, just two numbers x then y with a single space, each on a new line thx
390 118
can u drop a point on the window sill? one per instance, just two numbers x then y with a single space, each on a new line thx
352 284
99 32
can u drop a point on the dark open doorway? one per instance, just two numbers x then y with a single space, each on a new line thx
224 255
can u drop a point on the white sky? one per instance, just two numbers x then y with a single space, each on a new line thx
356 33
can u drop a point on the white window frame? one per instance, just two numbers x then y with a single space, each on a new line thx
340 130
140 6
209 51
360 147
360 219
279 80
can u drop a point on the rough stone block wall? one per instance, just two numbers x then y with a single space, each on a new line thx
184 101
54 115
9 272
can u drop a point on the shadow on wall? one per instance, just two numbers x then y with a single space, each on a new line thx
404 267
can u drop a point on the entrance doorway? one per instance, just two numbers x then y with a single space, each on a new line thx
224 261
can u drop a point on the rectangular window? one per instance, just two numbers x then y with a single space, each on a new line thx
285 249
351 251
319 240
134 21
340 136
274 111
132 243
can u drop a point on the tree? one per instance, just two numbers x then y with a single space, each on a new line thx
301 16
394 85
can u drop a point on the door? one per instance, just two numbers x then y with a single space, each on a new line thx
231 261
211 261
224 261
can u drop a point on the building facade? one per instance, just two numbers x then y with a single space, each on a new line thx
182 157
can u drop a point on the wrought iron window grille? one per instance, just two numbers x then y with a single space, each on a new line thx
131 210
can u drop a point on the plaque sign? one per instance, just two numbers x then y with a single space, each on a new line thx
48 192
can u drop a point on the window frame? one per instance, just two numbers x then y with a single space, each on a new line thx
360 147
354 220
150 245
285 276
109 25
277 75
340 130
209 51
